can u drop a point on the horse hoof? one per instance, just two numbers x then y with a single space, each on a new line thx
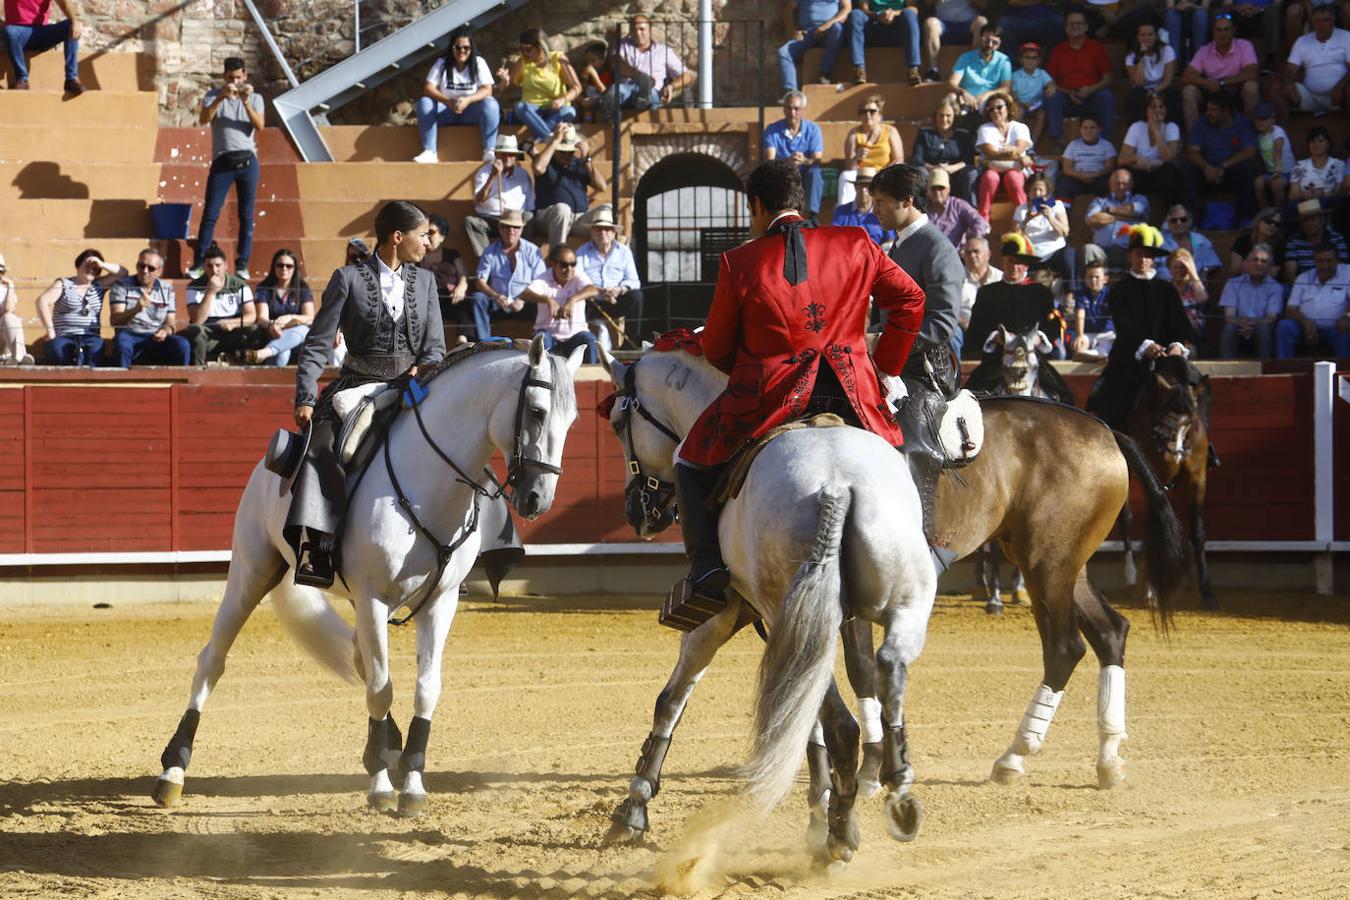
620 834
167 793
410 805
382 801
1006 775
1110 773
1021 597
994 608
904 817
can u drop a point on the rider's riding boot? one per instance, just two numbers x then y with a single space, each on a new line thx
314 567
708 575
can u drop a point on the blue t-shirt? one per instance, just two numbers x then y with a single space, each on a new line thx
807 141
1217 144
978 76
1096 311
811 13
848 214
1029 89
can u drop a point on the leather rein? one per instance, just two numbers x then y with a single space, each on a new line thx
516 466
654 495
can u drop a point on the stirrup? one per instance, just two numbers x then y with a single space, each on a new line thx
691 603
314 568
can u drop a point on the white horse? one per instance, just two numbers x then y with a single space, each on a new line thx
827 527
409 539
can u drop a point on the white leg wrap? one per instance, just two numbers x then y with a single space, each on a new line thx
380 783
1131 573
1036 721
869 711
1111 701
413 784
173 775
817 734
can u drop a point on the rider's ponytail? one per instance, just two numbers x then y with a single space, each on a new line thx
397 215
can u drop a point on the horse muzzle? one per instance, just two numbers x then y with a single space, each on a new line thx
649 506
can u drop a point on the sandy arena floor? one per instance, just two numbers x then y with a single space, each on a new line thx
1238 779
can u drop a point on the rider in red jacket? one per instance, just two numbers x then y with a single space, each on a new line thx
787 325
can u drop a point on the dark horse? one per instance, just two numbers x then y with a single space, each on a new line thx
1008 494
1169 421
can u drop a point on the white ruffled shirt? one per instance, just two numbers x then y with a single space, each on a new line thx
392 288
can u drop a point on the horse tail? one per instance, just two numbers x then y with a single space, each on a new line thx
311 622
799 661
1164 539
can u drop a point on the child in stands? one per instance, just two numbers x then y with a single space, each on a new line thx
1277 156
1032 86
1094 330
597 76
1087 162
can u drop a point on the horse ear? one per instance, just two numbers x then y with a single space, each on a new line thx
537 351
996 339
647 345
1042 343
574 359
615 368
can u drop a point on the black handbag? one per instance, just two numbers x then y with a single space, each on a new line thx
233 159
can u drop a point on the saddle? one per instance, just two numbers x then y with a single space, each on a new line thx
738 467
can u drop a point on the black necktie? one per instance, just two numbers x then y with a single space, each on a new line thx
794 254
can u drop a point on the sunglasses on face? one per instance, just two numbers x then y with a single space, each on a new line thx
1274 223
285 265
1179 220
462 48
140 267
566 264
870 112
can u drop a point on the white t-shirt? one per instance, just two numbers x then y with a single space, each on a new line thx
517 190
1322 303
1090 159
1045 241
225 304
458 82
1153 67
989 134
1318 181
1138 138
1324 64
1266 144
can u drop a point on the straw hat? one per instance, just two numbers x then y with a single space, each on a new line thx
507 146
512 217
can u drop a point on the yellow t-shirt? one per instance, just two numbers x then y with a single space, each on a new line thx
878 154
540 86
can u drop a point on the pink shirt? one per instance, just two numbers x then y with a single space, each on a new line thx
561 329
1209 62
26 12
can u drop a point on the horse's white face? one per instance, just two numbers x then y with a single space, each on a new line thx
535 424
649 502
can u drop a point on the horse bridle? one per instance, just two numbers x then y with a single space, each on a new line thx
654 495
1177 417
516 466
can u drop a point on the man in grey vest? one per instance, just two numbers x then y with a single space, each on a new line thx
900 195
389 314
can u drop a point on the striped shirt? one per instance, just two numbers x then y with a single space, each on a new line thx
152 316
73 314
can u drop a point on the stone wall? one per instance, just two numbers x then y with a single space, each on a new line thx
190 39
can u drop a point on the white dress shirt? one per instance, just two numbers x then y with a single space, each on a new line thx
392 288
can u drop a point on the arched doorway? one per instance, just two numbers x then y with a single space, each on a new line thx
687 210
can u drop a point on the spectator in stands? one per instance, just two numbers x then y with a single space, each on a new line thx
505 268
1186 23
559 296
975 256
452 283
1179 233
884 23
951 22
142 309
650 72
1152 68
1082 76
1045 222
564 173
1094 332
71 308
235 113
1005 146
861 210
610 266
798 139
1317 75
597 76
1251 303
357 252
1152 151
1257 18
1317 314
1226 65
1087 162
1298 12
1032 87
1191 290
1320 175
954 217
1221 156
874 143
220 312
979 74
457 91
548 84
1033 20
1111 216
944 146
1266 229
499 185
283 310
1314 231
1277 156
12 349
811 23
27 32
